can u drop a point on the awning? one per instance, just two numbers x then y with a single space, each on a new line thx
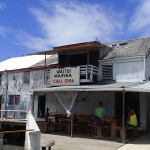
142 87
119 86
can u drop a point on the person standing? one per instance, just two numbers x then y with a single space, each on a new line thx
46 119
100 111
98 119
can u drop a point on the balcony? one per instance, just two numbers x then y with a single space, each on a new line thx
88 74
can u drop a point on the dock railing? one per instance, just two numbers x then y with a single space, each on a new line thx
13 115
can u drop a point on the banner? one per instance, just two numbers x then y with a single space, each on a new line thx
65 76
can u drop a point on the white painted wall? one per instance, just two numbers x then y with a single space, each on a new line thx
85 107
33 138
17 87
125 71
128 71
147 68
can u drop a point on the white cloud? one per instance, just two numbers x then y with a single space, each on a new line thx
2 6
34 43
71 22
140 20
3 32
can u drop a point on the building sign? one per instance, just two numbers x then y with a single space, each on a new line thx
65 76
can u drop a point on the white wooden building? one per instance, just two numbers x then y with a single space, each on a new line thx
122 65
93 71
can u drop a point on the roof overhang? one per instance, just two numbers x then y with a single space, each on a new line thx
71 49
114 87
143 87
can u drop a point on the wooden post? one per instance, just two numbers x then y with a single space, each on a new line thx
98 131
113 128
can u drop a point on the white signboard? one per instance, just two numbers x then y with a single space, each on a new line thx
65 76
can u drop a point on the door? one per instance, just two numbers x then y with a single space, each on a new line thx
41 106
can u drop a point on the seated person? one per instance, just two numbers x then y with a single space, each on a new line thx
132 120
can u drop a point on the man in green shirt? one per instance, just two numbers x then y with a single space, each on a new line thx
98 118
100 111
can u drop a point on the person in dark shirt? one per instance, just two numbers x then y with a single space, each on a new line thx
46 119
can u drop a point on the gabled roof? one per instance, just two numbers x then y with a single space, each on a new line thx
129 48
21 62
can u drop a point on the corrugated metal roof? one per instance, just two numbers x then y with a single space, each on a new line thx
143 87
21 62
129 48
107 87
49 61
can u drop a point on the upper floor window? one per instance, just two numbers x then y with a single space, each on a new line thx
47 75
14 100
0 79
107 72
26 77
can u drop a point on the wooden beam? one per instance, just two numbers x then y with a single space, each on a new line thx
16 131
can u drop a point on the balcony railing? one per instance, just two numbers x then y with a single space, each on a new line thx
13 115
88 73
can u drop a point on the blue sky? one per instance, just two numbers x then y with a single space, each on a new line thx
28 26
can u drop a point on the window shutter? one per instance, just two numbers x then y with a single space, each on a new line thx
107 72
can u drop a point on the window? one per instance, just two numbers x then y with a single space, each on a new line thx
107 72
26 77
47 75
14 100
0 79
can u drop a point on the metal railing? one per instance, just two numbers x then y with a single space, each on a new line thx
13 115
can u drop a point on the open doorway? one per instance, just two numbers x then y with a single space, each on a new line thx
41 106
132 100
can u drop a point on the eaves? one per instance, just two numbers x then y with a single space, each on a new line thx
29 69
119 60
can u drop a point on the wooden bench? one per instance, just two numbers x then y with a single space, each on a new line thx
47 144
97 130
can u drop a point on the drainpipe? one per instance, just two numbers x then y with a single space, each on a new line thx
123 116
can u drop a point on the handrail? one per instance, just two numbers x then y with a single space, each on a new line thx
16 131
88 71
13 114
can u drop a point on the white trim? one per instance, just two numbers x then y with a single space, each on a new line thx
128 87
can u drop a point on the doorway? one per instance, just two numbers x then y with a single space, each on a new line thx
41 106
